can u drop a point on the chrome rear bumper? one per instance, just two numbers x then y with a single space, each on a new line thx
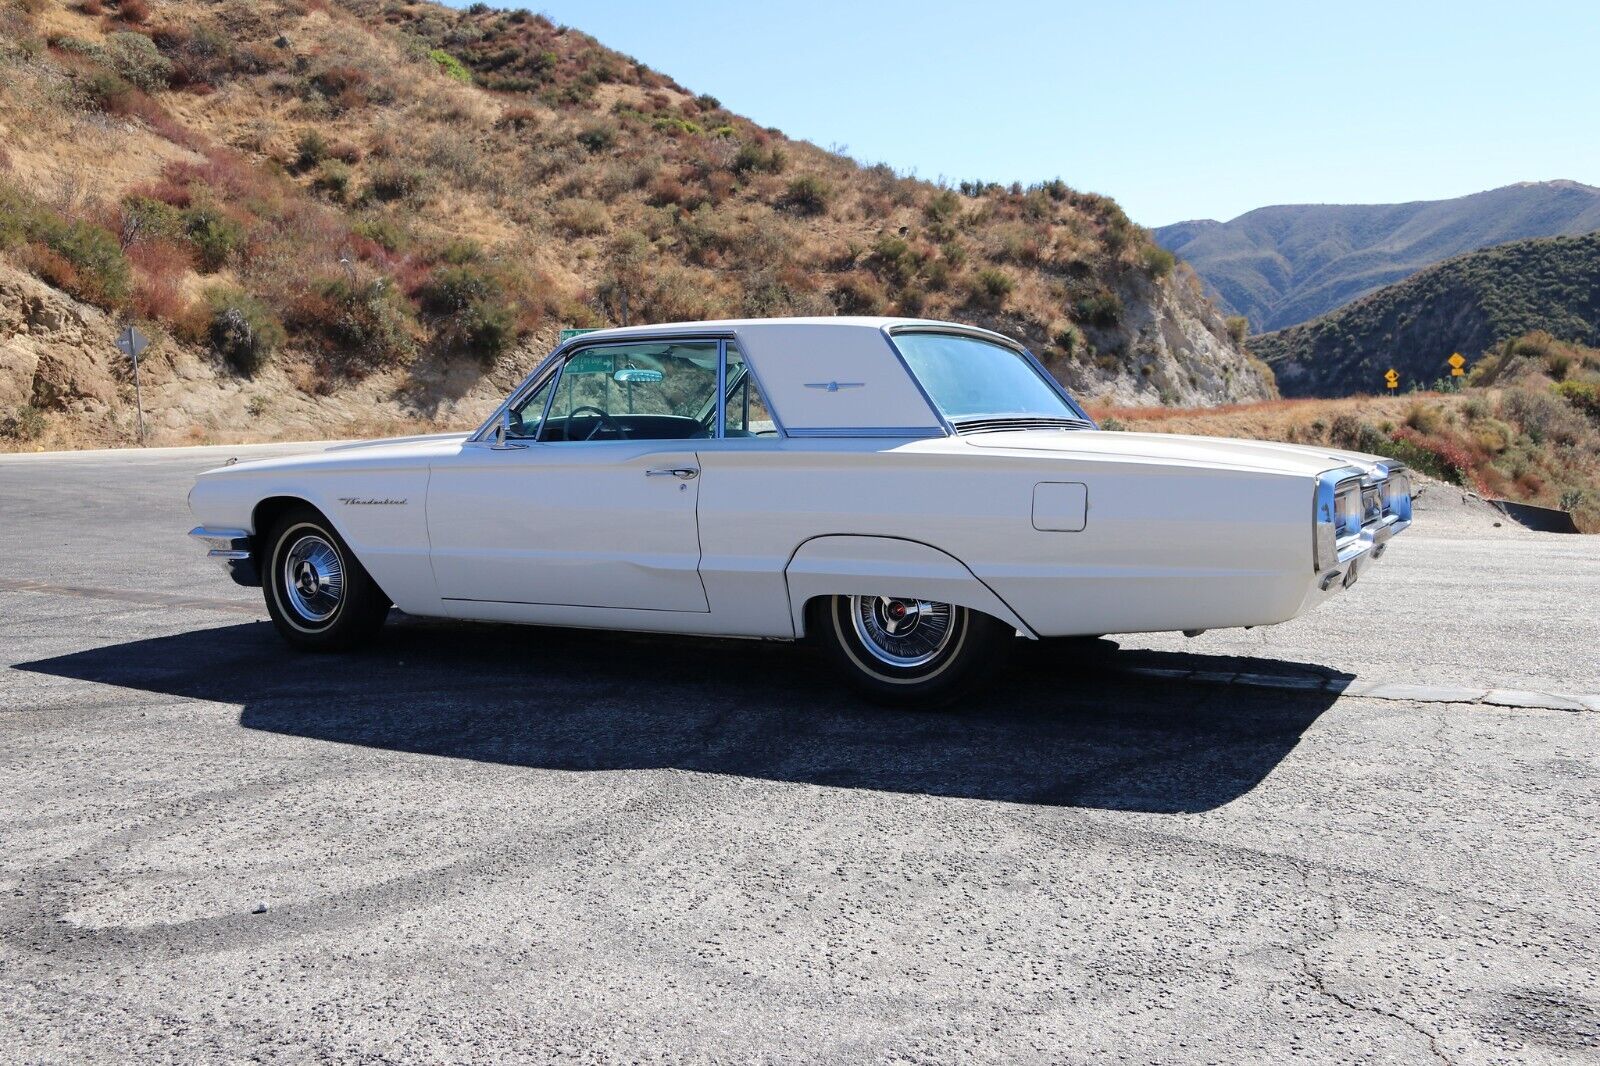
231 548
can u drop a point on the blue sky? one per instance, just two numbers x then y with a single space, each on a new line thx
1179 110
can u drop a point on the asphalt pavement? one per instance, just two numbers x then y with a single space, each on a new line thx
1368 834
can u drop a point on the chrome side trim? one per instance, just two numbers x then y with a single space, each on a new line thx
720 430
902 433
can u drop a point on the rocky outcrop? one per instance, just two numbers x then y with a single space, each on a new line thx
55 353
1169 346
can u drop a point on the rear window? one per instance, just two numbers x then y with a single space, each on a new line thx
973 379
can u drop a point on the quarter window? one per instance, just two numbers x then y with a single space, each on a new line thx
747 411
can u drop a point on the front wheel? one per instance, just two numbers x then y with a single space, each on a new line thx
906 650
319 595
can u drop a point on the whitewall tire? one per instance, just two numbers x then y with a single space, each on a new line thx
906 650
319 595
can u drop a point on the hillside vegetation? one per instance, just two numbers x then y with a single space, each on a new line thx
1470 304
385 211
1280 266
1526 426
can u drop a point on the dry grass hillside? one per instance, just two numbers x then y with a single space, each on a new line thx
1525 426
342 217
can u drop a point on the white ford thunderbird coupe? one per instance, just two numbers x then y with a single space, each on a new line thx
912 495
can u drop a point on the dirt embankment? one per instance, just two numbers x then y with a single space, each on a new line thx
59 364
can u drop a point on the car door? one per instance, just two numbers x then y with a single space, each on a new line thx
591 500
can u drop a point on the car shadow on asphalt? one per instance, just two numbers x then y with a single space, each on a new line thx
1064 725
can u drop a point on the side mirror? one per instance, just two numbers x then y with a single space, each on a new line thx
502 431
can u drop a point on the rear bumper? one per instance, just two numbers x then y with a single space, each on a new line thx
1362 551
231 548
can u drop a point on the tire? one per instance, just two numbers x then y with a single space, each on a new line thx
319 595
947 650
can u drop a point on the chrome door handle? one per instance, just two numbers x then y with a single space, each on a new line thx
684 473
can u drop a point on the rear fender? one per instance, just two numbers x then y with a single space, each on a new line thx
852 565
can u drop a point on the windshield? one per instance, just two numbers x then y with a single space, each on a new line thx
972 380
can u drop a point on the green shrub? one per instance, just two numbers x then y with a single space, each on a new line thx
383 231
1432 456
24 423
474 315
1157 261
1069 339
136 58
396 181
598 136
310 149
893 260
79 257
943 207
809 194
1103 308
107 91
1438 458
459 251
1583 395
244 331
752 157
367 320
95 254
145 217
1238 328
334 179
214 235
991 286
451 66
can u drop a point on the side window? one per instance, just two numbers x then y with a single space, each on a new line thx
647 391
748 415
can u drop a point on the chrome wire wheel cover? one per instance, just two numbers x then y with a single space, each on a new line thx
901 632
313 578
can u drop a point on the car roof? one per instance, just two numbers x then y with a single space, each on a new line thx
876 323
832 376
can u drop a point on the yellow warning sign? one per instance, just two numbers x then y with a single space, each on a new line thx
1392 379
1456 363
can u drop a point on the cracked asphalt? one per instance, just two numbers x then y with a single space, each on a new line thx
485 843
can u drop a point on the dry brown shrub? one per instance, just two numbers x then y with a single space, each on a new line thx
582 217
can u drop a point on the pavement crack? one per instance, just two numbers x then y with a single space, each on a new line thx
1319 984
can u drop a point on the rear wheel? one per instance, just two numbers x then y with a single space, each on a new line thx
906 650
319 595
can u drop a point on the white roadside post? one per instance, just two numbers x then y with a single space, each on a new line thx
132 342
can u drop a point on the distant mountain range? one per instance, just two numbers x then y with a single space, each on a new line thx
1468 304
1279 266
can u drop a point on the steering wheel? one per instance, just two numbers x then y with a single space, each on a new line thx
603 421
